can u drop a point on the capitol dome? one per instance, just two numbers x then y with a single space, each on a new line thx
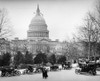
38 19
38 27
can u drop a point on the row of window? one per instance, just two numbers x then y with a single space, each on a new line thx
38 34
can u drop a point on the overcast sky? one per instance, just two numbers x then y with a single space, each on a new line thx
62 16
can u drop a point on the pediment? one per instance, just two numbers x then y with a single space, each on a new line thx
44 40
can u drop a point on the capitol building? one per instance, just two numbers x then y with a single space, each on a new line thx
37 37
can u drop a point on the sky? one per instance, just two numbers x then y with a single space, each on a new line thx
63 17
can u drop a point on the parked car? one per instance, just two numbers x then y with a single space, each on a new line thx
87 68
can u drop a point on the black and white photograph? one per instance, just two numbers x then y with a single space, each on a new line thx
49 40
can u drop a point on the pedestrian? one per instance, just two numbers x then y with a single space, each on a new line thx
45 74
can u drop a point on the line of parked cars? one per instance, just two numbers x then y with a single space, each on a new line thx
9 71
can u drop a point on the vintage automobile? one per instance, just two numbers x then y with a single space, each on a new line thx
67 65
54 68
29 69
89 68
32 69
8 71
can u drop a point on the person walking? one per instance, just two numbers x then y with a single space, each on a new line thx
44 73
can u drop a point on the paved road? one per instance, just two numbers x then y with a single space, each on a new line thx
63 75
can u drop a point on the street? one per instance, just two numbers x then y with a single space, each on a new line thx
63 75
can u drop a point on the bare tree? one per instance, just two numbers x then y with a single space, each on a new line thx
85 33
5 25
94 18
90 34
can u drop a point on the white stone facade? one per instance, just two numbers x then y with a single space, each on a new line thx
38 36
